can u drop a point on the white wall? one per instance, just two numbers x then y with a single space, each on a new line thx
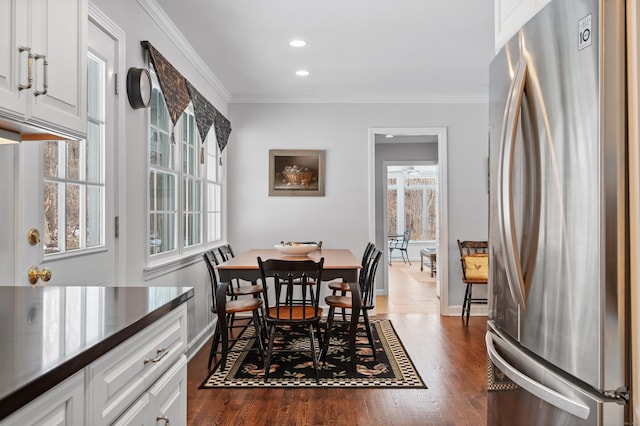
340 218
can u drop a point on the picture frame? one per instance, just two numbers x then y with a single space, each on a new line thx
296 172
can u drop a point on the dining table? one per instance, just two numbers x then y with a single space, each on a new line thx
338 264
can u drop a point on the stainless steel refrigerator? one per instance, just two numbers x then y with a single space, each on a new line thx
559 319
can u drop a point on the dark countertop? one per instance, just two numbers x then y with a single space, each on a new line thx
49 333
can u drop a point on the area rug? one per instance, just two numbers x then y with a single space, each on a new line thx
496 379
392 369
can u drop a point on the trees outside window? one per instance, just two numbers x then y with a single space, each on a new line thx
412 199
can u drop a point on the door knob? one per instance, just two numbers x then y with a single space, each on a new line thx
33 236
36 274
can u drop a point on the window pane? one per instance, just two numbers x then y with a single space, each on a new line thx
95 90
155 242
167 224
94 216
192 229
432 214
392 214
51 159
168 199
72 217
162 214
51 193
160 154
212 168
213 197
94 153
73 160
197 196
159 117
214 226
413 212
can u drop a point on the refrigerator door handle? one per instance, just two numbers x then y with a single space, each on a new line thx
510 253
563 402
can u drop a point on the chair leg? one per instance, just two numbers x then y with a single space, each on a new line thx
314 357
405 256
367 325
224 332
258 328
469 303
353 330
327 335
466 305
214 344
267 364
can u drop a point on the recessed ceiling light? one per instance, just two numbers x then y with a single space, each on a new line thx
297 43
302 73
388 136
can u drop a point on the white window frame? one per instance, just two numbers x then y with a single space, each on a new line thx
400 208
207 156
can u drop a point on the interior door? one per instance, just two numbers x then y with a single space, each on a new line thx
82 201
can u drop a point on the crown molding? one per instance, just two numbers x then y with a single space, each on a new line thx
359 99
165 23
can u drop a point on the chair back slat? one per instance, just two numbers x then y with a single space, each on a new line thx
209 261
368 282
296 285
225 252
406 237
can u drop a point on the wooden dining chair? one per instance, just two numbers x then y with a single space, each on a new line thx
474 259
237 287
358 305
227 331
294 303
343 286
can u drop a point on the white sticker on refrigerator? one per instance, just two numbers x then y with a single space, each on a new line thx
584 27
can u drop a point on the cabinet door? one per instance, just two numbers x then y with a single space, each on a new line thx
59 33
61 406
139 414
511 15
169 395
13 63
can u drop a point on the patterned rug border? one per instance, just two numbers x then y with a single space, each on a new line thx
400 362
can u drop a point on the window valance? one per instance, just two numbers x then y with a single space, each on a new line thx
178 92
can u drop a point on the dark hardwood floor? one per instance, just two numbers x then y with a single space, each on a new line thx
450 358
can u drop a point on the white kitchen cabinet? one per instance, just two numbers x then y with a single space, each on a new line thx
120 377
511 15
61 406
164 404
43 60
169 396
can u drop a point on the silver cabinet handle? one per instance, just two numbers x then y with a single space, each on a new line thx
45 74
161 353
510 252
577 408
165 419
29 68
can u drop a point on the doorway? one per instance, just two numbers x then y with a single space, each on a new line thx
411 210
407 145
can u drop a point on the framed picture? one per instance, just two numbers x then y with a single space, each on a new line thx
296 172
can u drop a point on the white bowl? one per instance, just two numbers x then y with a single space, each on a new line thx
297 250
